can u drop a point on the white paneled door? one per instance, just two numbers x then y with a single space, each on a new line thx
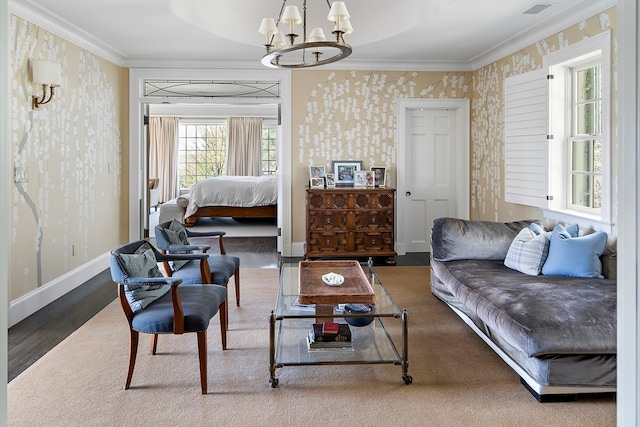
430 178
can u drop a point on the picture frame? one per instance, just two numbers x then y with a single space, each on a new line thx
380 175
359 178
343 171
331 183
316 172
317 182
369 178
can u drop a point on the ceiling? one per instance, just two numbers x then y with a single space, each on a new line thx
398 34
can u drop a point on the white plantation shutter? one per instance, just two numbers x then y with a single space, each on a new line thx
526 122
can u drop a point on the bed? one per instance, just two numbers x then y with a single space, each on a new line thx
233 196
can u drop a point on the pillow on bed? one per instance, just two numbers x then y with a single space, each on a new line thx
575 256
529 250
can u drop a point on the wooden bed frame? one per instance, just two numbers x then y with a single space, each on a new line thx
269 211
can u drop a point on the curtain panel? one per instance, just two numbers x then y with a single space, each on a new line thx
163 152
244 146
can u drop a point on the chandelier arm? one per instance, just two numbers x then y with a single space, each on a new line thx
304 28
280 14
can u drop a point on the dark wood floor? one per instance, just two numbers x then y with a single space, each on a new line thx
33 337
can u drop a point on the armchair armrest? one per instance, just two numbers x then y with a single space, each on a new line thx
145 281
219 234
181 257
205 233
203 248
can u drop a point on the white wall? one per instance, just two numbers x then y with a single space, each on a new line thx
5 177
629 217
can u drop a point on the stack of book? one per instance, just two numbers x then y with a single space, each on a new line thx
329 335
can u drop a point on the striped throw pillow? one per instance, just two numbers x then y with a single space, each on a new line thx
528 252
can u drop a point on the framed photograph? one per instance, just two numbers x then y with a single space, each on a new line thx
331 183
316 172
380 175
317 182
343 171
360 178
369 178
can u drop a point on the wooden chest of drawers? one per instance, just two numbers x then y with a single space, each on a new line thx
349 222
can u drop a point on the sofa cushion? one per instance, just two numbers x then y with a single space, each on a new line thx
454 238
528 251
538 315
575 256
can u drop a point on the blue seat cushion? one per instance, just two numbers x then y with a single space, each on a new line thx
199 303
222 268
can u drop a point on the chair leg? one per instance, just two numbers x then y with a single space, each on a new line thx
133 351
202 355
236 277
223 324
154 343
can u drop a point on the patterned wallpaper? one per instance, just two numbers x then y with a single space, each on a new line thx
487 124
351 115
71 152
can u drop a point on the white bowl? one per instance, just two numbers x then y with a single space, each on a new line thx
333 279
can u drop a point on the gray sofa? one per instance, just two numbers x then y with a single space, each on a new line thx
557 332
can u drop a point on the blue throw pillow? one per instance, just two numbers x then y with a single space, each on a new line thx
574 256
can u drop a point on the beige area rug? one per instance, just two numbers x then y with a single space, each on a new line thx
457 379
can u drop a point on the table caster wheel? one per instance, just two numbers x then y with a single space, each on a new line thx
274 382
408 379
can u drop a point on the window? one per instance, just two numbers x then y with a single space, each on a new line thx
202 151
269 163
584 144
557 144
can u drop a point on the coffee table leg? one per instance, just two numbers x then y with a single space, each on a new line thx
272 351
324 313
408 379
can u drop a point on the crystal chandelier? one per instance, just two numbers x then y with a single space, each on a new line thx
314 50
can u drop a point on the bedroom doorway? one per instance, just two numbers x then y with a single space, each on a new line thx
202 134
433 168
228 80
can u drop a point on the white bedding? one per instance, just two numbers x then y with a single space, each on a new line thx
237 191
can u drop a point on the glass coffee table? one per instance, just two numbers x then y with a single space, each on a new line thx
291 322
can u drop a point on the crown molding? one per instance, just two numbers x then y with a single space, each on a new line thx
57 25
63 28
531 36
347 64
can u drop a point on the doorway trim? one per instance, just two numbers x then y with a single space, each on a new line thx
136 169
461 106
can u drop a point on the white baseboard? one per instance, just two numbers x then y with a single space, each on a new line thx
23 307
297 249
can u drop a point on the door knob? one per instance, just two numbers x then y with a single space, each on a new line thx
408 193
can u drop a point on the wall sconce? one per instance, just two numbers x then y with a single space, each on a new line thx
48 75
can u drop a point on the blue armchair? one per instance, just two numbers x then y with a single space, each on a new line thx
173 237
155 304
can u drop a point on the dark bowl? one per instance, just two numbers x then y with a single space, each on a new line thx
358 309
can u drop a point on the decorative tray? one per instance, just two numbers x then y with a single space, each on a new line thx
355 289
